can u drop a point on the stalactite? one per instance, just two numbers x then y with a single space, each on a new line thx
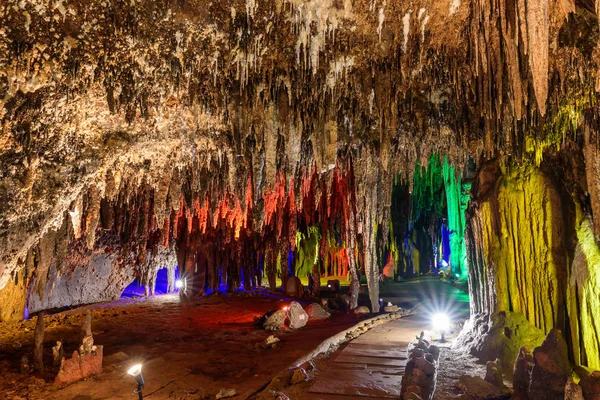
457 196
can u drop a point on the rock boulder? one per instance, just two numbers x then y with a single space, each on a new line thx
275 321
297 316
315 312
293 287
522 373
551 368
591 386
480 388
573 391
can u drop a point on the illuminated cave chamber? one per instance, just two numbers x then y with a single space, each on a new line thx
246 144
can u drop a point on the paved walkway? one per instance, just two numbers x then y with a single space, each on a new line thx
372 365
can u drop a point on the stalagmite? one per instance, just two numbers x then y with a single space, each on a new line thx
38 350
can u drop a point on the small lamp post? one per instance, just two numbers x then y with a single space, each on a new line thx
441 323
136 372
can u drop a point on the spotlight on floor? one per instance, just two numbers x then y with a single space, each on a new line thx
441 323
136 372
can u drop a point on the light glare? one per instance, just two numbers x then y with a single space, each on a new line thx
135 370
441 322
178 283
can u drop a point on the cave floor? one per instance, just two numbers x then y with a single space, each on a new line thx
189 350
371 366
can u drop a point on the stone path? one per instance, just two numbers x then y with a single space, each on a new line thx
372 365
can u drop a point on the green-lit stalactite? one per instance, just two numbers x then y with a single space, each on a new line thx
457 196
400 217
307 248
439 197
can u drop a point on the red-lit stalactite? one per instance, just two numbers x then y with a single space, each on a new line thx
212 236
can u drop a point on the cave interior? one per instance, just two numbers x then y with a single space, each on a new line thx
203 149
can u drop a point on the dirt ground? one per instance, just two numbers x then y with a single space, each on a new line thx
188 350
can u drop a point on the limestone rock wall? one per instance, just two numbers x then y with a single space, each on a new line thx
532 251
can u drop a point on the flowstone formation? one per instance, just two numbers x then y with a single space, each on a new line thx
247 142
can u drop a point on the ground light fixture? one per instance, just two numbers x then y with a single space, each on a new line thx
441 323
136 372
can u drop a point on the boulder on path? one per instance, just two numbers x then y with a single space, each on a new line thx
275 321
316 313
297 316
551 368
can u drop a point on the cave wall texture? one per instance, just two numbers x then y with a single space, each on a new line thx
220 136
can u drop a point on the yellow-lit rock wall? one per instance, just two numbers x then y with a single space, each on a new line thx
583 296
520 234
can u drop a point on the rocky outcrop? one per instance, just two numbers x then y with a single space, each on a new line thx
522 373
499 335
83 363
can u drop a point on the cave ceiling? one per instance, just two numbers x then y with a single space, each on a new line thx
94 94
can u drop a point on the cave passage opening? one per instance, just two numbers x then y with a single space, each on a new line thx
162 283
428 222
